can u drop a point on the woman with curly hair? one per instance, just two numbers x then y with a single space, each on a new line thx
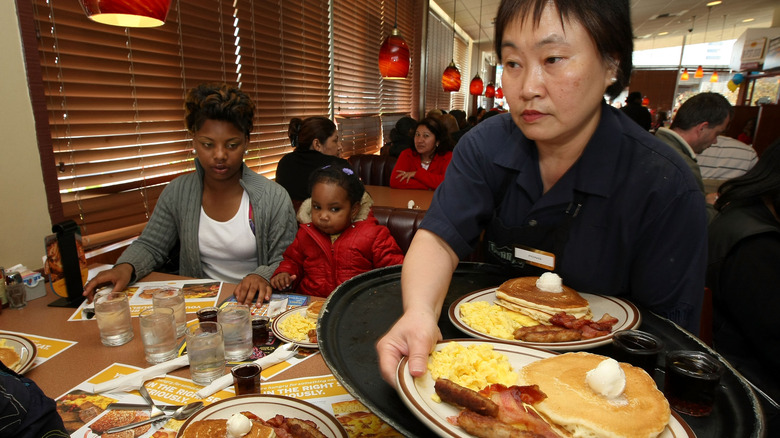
230 223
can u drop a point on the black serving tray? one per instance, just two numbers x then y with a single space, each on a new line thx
362 309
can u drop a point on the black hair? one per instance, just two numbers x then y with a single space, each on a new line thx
439 130
608 22
712 108
343 176
219 102
303 132
762 180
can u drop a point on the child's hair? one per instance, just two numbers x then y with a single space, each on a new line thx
343 176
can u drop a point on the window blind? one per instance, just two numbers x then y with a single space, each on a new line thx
114 96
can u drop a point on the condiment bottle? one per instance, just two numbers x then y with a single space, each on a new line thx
3 295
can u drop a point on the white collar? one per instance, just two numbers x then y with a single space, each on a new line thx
682 141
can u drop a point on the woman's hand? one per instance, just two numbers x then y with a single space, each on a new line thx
413 335
282 280
251 285
404 176
119 276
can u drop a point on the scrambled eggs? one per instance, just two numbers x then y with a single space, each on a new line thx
474 367
296 327
493 319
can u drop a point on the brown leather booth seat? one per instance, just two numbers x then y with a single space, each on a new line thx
373 170
402 223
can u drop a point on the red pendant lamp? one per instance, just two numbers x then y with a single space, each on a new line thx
476 87
490 91
394 54
645 101
499 93
450 79
127 13
699 73
684 76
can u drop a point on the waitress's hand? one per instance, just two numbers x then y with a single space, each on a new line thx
251 285
414 335
119 276
405 176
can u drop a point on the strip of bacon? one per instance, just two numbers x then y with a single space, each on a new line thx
489 427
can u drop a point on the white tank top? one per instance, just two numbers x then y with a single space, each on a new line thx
227 249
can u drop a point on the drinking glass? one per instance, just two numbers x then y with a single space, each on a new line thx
206 351
112 311
207 314
158 332
174 298
691 383
237 330
246 378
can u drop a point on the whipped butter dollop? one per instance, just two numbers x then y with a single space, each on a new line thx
550 282
607 379
238 425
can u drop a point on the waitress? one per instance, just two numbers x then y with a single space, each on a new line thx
562 183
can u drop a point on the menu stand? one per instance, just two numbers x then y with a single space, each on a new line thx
66 240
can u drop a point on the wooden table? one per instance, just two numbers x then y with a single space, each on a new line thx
399 198
78 363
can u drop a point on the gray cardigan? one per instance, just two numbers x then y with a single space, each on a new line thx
176 218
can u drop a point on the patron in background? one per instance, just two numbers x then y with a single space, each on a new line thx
727 158
614 208
316 143
402 136
696 126
746 136
636 112
231 223
743 275
423 166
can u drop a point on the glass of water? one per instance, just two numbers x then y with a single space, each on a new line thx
112 311
158 332
237 329
206 352
174 298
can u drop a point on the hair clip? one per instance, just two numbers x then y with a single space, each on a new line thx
348 171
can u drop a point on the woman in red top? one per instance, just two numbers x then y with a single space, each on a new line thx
423 166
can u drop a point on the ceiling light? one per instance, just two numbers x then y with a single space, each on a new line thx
394 54
748 20
663 33
127 13
714 3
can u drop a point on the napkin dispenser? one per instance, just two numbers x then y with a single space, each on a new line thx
65 264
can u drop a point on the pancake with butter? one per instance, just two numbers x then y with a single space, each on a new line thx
218 428
524 296
640 410
9 357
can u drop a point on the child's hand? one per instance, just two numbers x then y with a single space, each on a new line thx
282 281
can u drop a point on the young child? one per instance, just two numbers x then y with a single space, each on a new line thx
337 237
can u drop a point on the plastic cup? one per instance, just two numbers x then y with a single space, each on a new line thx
174 298
691 383
260 331
206 352
237 330
246 378
112 311
207 314
640 349
158 332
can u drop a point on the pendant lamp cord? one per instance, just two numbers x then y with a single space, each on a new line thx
395 18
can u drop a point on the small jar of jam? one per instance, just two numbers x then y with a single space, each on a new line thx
260 330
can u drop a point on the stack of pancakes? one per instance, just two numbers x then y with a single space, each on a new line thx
9 357
521 295
218 428
642 411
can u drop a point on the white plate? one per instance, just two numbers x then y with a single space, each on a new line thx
278 333
627 314
416 392
266 406
24 347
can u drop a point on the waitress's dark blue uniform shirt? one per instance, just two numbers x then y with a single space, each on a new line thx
641 232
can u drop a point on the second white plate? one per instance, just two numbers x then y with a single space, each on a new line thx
24 347
627 314
279 334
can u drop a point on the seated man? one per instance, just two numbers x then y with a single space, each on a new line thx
25 410
727 158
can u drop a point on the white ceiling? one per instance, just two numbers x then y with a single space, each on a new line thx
649 18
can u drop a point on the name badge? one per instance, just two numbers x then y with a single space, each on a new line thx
536 257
